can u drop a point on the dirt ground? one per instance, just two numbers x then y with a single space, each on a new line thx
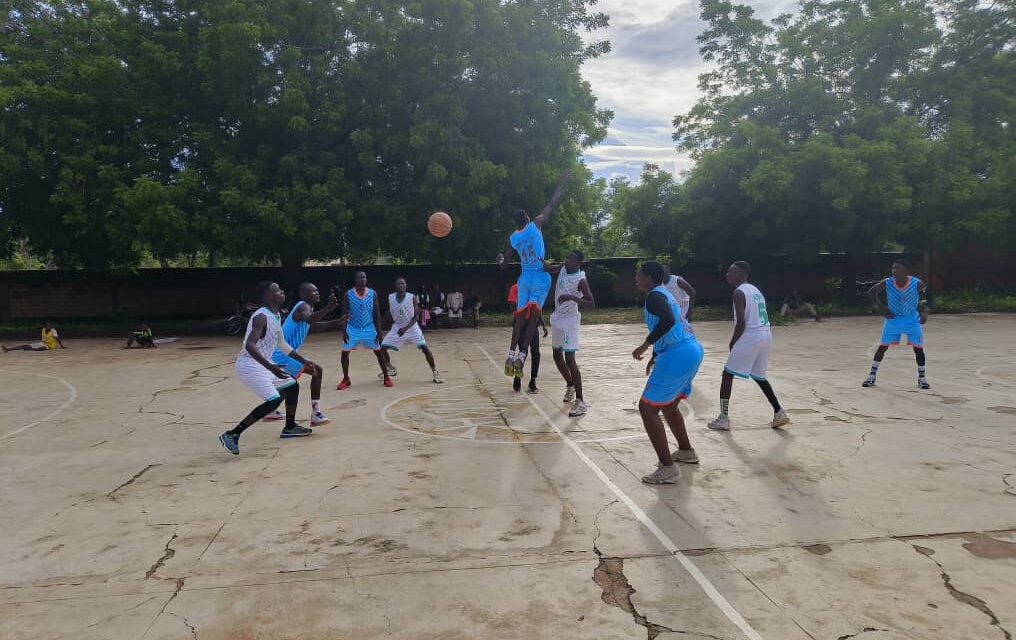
467 511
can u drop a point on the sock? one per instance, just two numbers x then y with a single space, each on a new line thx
874 368
315 405
238 429
920 372
724 406
521 356
511 354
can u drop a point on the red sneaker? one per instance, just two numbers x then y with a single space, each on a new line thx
389 382
345 384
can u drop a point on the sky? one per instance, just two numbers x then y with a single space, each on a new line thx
650 75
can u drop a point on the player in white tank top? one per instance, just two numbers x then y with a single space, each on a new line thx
682 291
749 346
405 314
570 294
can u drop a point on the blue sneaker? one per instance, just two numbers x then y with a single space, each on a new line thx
230 443
295 431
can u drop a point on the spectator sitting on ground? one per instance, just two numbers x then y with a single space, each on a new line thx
423 299
474 304
142 336
792 305
50 339
455 302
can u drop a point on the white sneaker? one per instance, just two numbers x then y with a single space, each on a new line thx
721 423
318 418
687 456
569 394
781 419
437 378
579 408
663 475
275 416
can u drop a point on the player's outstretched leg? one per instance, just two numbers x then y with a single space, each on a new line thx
685 452
579 407
922 380
383 361
780 417
345 382
291 395
433 365
565 371
666 471
509 363
230 440
722 422
875 363
534 368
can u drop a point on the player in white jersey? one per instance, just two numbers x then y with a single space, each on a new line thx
570 294
405 315
682 291
749 346
268 380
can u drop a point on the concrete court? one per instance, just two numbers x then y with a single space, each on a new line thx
456 511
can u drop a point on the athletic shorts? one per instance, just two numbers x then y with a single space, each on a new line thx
289 365
366 338
750 356
670 379
895 328
534 286
261 381
413 334
564 332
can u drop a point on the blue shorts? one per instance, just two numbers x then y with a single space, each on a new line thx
365 337
534 286
672 374
895 328
293 367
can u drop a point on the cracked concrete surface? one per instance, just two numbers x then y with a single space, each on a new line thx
367 531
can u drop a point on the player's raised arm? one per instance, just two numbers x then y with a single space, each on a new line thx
544 215
316 316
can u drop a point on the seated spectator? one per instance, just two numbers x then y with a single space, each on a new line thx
792 305
49 341
423 299
473 303
455 301
142 337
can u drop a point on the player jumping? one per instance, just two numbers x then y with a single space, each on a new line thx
405 314
749 346
362 328
905 310
571 292
675 361
534 282
262 376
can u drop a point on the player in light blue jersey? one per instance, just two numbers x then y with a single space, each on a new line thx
905 310
363 327
534 282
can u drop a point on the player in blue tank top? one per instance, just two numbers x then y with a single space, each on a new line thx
295 329
363 327
905 310
676 357
534 281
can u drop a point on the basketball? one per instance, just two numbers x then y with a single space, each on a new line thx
439 224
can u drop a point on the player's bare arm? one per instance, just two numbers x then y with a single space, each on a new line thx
739 304
877 295
690 290
345 314
316 316
258 328
377 319
923 303
659 307
544 215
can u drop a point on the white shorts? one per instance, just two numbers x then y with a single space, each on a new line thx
261 381
564 332
750 356
413 334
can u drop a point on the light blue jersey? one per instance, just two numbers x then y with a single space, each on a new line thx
528 243
678 333
903 301
677 355
295 333
361 310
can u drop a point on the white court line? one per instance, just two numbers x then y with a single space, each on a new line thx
53 414
722 603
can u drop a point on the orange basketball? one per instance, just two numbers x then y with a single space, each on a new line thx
439 224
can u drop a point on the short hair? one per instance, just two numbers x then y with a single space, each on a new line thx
903 262
743 266
579 255
306 285
654 270
263 288
519 215
402 278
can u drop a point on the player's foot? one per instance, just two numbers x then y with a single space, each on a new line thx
922 383
721 423
517 385
275 415
663 475
509 367
518 367
532 388
389 382
870 382
318 419
230 443
295 431
345 384
578 408
687 456
569 394
781 419
437 377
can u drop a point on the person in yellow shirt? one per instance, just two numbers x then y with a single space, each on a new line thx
50 339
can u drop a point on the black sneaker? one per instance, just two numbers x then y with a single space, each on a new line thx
295 431
517 384
532 387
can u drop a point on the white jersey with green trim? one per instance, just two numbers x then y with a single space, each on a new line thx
756 316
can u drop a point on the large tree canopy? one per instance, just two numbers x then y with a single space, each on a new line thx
289 129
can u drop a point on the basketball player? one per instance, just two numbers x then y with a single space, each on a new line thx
362 328
570 294
682 291
675 361
255 369
749 346
405 314
534 349
295 328
905 310
534 282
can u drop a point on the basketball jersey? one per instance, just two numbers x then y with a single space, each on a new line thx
49 337
294 332
528 242
680 295
361 310
272 339
678 333
903 302
402 312
567 284
756 316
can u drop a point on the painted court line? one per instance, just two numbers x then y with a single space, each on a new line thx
722 603
52 414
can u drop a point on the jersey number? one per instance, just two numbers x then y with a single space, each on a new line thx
763 314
